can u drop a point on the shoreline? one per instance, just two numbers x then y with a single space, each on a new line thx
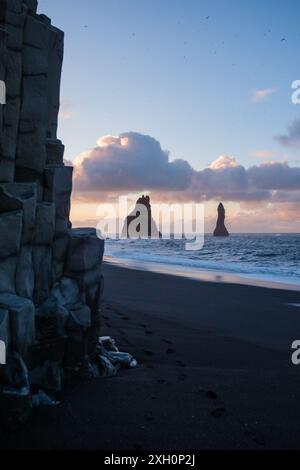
263 316
201 275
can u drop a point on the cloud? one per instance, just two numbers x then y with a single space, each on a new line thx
130 161
65 110
292 137
223 162
263 153
133 162
262 94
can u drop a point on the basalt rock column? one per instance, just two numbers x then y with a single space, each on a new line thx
50 275
221 230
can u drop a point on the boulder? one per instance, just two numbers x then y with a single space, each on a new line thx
11 224
42 253
42 266
31 148
35 46
85 251
12 18
15 398
55 152
48 377
55 57
79 319
84 265
58 188
31 5
4 327
66 292
51 319
44 224
25 272
22 323
59 251
24 196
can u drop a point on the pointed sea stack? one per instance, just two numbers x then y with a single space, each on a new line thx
143 225
221 230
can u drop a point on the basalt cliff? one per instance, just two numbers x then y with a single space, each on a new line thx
50 274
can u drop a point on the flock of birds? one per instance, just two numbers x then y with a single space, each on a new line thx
283 39
207 18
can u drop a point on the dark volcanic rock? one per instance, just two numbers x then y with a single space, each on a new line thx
51 283
140 223
221 230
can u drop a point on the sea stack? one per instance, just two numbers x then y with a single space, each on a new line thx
140 223
221 230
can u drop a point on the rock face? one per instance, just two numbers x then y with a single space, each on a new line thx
140 223
50 275
221 230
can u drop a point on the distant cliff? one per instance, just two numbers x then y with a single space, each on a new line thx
221 230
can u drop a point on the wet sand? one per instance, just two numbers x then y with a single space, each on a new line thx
214 371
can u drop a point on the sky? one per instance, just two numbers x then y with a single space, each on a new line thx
200 93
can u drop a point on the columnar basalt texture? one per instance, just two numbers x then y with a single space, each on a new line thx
50 276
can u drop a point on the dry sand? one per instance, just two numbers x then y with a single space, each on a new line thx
214 371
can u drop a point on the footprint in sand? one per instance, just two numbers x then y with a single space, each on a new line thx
218 412
161 381
149 417
170 351
121 332
256 437
167 341
211 395
148 353
180 363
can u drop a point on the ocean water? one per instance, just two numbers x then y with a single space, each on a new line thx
272 257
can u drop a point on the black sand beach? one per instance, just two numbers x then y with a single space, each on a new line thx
214 371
